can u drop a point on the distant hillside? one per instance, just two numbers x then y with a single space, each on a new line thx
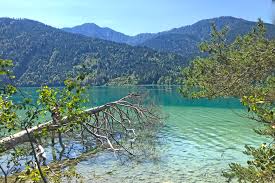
46 55
202 29
95 31
186 45
185 40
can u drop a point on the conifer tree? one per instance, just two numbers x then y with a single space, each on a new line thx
244 69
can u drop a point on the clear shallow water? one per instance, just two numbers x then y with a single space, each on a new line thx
199 139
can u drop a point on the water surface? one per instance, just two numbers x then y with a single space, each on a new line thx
200 138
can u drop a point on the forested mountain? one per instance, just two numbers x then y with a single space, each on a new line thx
186 45
95 31
185 40
46 55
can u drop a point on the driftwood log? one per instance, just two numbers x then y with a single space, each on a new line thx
122 112
114 126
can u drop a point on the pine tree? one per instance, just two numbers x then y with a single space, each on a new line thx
244 69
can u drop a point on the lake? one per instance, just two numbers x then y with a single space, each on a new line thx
198 139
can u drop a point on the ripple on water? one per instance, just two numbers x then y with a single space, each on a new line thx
198 141
197 144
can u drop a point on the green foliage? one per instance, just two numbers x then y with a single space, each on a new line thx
4 66
66 102
260 169
8 116
243 69
240 67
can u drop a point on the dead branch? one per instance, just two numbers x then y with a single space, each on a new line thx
122 116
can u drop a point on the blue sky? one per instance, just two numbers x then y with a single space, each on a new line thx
133 16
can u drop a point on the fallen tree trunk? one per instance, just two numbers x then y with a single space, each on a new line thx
22 136
120 126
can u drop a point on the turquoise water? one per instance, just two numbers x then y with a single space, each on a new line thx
200 138
197 142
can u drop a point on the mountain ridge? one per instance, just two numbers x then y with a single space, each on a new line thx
95 31
170 40
46 55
